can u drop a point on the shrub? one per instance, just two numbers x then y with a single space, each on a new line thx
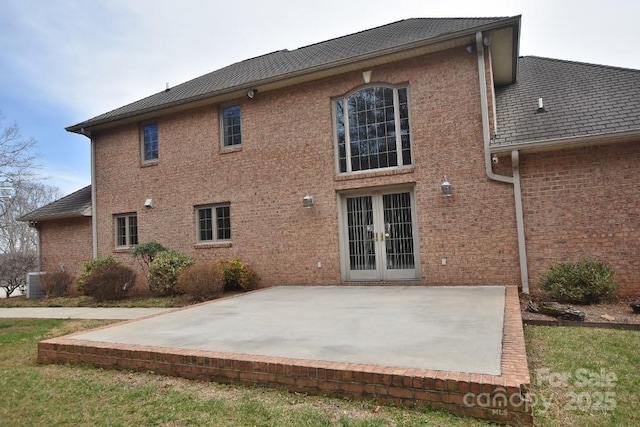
238 276
56 284
89 266
164 271
201 281
144 253
109 282
584 282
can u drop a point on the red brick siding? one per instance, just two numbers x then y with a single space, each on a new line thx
288 148
65 242
583 203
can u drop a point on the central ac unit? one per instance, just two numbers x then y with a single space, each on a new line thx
34 287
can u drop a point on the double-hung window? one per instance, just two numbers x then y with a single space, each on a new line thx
231 127
372 129
126 230
150 142
214 223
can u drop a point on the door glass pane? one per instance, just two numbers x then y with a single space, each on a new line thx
361 233
398 231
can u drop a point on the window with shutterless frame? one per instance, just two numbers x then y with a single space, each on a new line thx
372 129
149 142
126 230
231 120
214 223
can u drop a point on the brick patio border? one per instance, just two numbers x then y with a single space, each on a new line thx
502 398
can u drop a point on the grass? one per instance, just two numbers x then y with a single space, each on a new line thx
572 368
60 395
588 377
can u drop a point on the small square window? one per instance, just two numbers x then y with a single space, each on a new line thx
150 142
126 230
231 126
214 223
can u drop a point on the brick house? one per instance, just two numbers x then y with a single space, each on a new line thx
366 131
64 231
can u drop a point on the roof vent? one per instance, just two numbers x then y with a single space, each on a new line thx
540 106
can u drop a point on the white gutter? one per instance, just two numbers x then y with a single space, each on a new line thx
94 211
515 179
569 142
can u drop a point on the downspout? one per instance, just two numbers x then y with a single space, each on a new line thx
94 214
517 194
515 179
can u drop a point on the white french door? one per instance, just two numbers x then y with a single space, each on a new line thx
379 236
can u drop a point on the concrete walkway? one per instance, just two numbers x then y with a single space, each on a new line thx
96 313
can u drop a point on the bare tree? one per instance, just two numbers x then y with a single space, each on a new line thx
13 271
17 158
16 236
19 195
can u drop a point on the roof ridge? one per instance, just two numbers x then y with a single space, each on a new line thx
489 18
590 64
280 64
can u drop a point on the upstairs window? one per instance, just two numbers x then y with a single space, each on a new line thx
214 223
372 129
126 230
150 142
231 126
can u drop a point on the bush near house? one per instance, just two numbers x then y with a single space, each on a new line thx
90 266
164 270
583 282
109 282
56 284
144 253
238 276
201 281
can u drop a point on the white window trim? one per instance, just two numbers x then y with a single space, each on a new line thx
142 150
396 113
127 229
214 220
223 138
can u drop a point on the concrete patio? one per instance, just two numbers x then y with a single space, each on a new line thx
459 349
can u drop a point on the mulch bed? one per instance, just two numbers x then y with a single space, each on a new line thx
621 311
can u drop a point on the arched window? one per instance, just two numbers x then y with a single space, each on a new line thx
372 126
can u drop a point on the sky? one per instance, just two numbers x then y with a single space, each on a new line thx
66 61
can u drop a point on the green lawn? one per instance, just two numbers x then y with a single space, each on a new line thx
584 377
54 395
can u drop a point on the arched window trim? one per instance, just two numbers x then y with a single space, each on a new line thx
344 161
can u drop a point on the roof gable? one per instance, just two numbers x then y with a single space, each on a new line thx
579 99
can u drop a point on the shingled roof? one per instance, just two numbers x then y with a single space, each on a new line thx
579 100
284 64
76 204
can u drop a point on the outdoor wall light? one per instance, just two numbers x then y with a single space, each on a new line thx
307 201
251 93
445 186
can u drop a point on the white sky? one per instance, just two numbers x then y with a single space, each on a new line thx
65 61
